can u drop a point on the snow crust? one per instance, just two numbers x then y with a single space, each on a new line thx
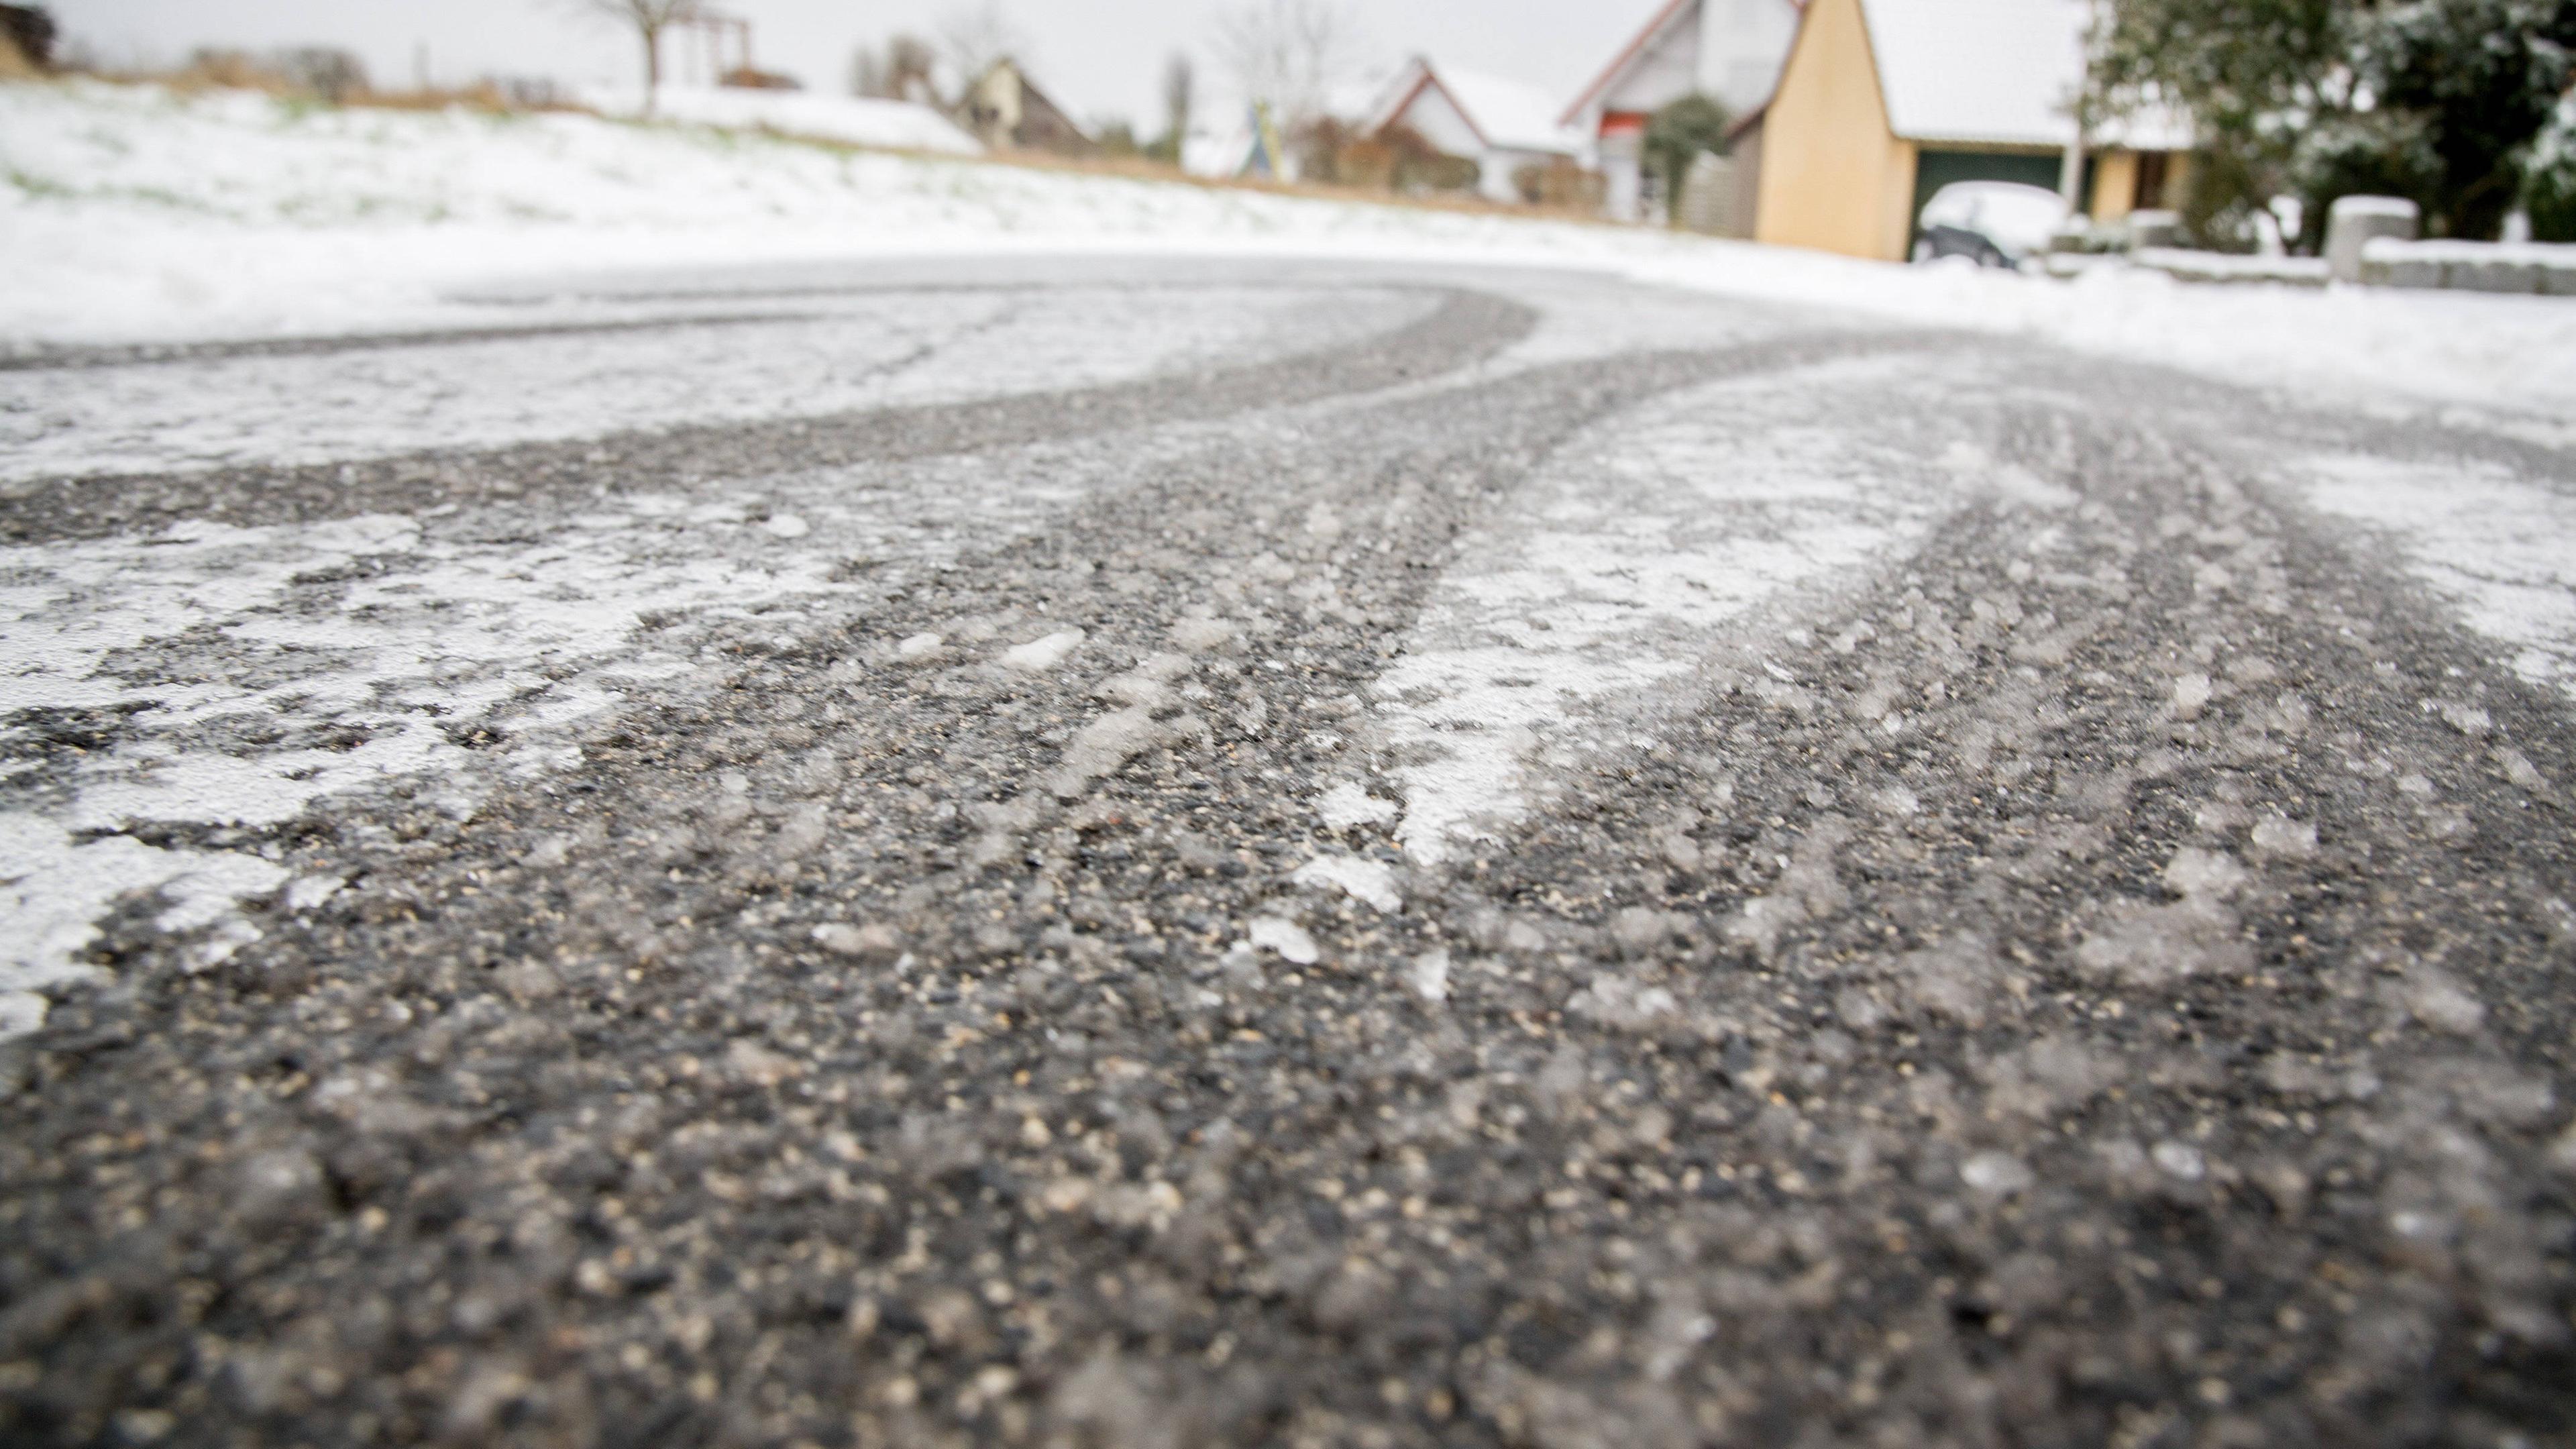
133 214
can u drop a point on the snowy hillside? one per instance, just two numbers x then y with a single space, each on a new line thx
131 214
889 125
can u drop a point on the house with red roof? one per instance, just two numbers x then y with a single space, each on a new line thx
1729 49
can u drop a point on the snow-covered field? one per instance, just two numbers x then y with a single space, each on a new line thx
132 214
890 125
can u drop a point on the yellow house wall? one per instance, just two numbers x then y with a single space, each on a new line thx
1834 177
2115 185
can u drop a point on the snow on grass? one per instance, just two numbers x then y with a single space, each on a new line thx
2496 545
127 212
860 121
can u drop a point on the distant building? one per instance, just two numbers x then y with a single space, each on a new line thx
1884 102
27 34
1006 111
1507 128
1729 49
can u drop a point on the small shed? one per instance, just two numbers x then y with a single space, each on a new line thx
1005 110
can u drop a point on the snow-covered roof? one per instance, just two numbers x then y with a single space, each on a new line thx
1510 115
1995 72
1513 115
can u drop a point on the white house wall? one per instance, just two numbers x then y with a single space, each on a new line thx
1437 121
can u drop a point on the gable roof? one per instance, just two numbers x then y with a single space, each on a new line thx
1992 72
1637 45
1031 97
1505 114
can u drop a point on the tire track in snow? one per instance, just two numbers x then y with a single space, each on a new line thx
1648 553
225 680
877 352
1463 328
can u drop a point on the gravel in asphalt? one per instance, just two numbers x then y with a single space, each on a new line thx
1509 877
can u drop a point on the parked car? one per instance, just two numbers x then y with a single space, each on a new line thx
1992 223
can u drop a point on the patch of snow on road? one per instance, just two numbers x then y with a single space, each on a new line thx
240 675
1272 933
54 887
1044 652
1363 880
2501 548
1631 563
1348 807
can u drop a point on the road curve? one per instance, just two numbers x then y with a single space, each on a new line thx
1158 854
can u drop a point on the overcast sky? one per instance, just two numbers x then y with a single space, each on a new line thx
1098 57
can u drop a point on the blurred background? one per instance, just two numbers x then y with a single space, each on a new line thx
2285 143
2229 127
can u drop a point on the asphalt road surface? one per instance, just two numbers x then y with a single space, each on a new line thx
1153 855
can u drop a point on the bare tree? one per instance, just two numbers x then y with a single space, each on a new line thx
648 19
333 74
1178 83
977 36
1286 53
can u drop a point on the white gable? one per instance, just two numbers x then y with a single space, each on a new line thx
1993 72
1664 67
1437 121
1732 49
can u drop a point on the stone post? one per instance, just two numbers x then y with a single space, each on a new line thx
2356 221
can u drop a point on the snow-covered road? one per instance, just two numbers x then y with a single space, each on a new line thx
1194 852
